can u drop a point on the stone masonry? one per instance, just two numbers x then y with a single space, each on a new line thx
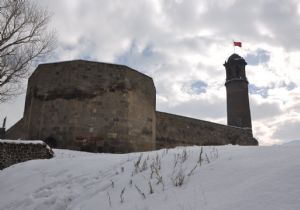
12 152
2 133
100 107
238 107
173 130
89 106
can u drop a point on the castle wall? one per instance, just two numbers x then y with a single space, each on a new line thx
12 152
102 107
173 130
141 114
18 131
90 106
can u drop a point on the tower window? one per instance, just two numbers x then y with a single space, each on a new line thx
237 70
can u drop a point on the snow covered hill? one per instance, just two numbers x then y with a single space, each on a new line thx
218 178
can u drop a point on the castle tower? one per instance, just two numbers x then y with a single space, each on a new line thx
90 106
238 109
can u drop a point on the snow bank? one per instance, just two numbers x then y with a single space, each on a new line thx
229 177
21 141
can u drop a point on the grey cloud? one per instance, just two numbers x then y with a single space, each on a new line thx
197 108
199 87
182 16
291 86
263 91
13 110
154 37
288 130
242 18
264 110
288 85
258 57
146 60
283 20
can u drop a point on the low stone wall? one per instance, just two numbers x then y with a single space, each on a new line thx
173 130
16 151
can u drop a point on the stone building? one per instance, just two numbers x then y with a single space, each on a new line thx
103 107
2 130
238 108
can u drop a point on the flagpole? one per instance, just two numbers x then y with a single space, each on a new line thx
233 46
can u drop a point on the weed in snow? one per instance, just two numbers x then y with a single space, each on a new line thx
140 191
122 195
150 188
109 200
161 174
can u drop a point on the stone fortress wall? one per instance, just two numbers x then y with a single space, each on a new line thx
102 107
89 106
12 152
173 130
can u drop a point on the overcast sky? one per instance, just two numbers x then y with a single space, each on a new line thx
182 45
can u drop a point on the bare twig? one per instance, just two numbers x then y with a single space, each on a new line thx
178 178
155 171
200 159
109 200
150 188
140 191
137 164
23 39
122 195
193 169
207 158
144 166
112 184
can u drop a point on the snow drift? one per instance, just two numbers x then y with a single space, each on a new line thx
184 178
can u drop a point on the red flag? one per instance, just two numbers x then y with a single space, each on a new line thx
238 44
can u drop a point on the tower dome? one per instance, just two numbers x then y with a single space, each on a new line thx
234 57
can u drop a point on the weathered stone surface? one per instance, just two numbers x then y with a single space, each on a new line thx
89 106
18 131
2 133
102 107
173 130
12 152
238 108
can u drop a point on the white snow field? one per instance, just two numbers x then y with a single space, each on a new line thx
229 178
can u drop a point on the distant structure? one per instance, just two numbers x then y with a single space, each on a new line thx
2 130
100 107
238 109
